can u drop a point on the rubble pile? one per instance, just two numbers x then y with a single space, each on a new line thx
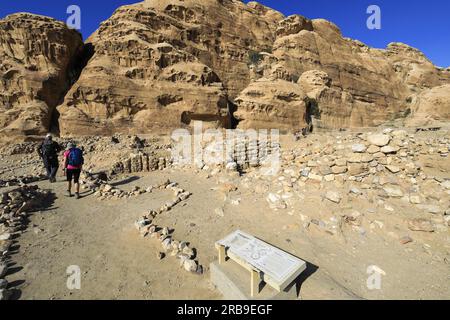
22 180
377 168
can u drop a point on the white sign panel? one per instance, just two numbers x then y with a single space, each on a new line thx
279 265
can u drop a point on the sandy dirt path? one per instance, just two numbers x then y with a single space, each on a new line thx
116 263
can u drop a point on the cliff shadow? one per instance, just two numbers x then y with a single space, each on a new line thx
74 71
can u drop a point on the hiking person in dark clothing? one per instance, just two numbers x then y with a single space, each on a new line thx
73 164
48 151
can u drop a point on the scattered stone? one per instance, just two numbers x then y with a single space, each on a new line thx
415 199
3 270
190 265
356 191
389 150
160 255
339 169
406 240
5 237
359 148
219 212
3 284
315 177
333 196
373 149
393 192
393 169
420 224
275 201
431 209
4 294
379 140
446 184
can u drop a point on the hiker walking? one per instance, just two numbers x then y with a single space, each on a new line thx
48 151
73 164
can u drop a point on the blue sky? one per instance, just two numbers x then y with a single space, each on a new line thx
421 24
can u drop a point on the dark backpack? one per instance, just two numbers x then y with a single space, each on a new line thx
75 157
49 150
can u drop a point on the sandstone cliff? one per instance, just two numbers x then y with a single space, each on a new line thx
36 68
430 106
365 86
159 64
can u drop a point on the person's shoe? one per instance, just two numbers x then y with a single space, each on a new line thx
69 194
77 195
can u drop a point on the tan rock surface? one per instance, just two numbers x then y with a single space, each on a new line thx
352 84
36 68
159 64
266 104
431 106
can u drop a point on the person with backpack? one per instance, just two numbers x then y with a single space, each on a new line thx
73 164
48 151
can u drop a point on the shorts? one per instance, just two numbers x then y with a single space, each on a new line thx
73 173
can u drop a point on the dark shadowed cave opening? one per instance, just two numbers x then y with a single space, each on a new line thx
74 71
312 113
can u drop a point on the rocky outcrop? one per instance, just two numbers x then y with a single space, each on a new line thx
364 87
160 64
267 104
430 107
36 68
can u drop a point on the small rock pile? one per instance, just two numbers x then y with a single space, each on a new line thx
14 208
179 249
379 168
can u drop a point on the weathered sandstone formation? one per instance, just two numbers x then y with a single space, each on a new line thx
432 105
160 64
36 68
364 87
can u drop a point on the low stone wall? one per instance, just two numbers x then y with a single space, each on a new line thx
15 206
140 162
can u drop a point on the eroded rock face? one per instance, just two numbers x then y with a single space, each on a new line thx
36 59
351 84
267 104
159 64
430 106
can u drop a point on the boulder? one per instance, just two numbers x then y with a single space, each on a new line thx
333 196
420 224
379 140
39 61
